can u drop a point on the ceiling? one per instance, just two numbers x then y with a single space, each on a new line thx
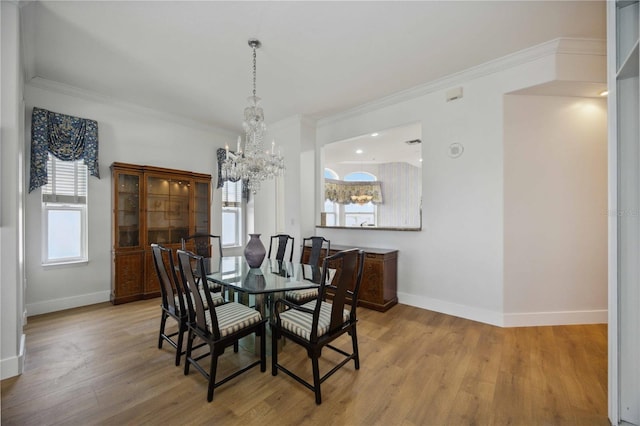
191 59
383 146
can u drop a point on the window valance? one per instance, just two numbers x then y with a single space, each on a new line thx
344 192
221 153
66 137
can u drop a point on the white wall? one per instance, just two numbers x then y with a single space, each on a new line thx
126 134
11 202
455 264
555 204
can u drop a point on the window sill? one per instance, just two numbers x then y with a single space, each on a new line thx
56 265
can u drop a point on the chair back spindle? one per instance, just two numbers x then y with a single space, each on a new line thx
318 246
170 287
281 243
199 306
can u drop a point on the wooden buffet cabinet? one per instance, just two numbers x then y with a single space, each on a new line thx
152 205
378 289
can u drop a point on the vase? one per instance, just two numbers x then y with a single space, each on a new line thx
254 252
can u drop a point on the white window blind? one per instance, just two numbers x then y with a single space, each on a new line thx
232 194
67 182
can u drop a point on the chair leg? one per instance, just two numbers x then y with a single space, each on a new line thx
274 352
190 339
263 348
356 354
163 321
316 378
179 343
212 375
236 346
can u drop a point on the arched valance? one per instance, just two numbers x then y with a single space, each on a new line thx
346 192
64 136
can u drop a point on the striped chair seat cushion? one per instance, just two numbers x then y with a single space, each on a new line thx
233 317
299 296
299 323
216 298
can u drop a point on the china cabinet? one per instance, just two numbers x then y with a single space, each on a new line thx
152 205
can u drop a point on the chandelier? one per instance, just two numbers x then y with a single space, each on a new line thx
253 164
361 199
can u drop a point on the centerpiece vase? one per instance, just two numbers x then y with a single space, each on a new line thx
254 252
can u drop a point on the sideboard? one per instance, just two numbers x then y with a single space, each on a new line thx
379 286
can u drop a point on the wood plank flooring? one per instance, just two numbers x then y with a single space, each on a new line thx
100 365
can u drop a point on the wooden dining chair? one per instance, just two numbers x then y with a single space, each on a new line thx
205 245
173 303
319 250
279 248
217 326
318 323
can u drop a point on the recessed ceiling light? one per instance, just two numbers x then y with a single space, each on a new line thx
604 93
374 134
359 151
421 160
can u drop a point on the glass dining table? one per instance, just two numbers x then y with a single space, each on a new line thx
266 284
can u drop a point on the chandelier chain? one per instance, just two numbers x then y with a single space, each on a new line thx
254 70
253 164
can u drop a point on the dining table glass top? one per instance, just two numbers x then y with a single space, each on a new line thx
273 276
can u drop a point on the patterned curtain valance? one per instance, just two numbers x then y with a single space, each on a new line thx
68 138
343 192
221 153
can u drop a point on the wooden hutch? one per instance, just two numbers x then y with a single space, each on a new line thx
378 289
152 205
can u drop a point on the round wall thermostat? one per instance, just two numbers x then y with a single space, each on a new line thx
455 150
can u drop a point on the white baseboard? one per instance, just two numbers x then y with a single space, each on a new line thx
462 311
67 303
13 366
500 319
555 318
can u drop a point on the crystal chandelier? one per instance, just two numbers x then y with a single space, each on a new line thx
361 199
253 164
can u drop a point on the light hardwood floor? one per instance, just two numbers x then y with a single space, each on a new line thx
100 365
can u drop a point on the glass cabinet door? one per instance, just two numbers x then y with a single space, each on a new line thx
128 210
178 210
167 210
201 207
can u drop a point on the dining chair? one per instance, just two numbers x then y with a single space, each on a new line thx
318 323
280 246
173 302
217 326
319 249
205 245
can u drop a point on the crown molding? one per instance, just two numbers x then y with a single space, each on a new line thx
556 46
65 89
582 46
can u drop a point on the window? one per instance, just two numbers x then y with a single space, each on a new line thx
360 214
64 212
232 214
